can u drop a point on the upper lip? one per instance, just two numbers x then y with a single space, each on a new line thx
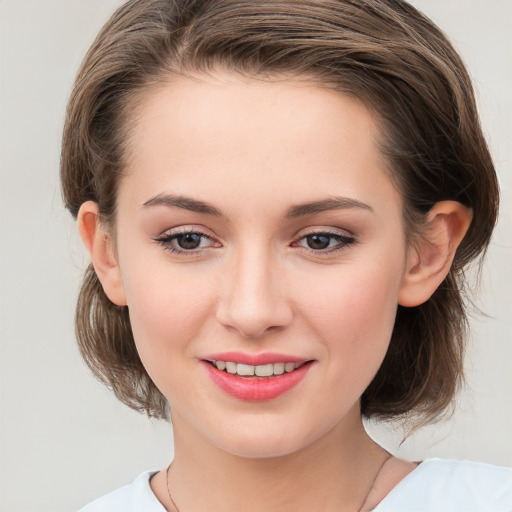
254 359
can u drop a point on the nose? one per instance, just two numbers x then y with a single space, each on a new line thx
254 299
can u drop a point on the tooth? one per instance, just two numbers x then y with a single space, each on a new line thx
289 367
230 367
264 370
221 365
278 368
244 369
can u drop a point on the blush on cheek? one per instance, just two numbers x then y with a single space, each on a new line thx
163 320
357 317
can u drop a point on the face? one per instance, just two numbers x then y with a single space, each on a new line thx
257 232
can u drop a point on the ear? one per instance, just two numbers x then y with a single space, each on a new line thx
429 259
100 246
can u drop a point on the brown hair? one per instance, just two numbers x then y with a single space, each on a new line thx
382 51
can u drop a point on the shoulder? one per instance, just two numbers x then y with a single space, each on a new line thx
134 497
457 486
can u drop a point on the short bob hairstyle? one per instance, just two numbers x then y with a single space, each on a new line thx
383 52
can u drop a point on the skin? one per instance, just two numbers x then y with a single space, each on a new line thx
254 150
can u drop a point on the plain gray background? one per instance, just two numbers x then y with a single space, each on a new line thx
64 439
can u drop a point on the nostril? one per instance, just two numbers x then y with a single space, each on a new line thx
251 299
256 321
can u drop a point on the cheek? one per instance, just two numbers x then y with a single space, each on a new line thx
352 309
167 312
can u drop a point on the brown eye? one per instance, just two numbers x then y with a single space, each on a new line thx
318 242
188 241
324 242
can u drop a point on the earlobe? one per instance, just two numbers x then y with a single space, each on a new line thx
100 246
430 258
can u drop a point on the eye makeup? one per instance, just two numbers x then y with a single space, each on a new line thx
186 241
325 242
192 241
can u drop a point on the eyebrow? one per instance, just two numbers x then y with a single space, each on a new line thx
186 203
333 203
300 210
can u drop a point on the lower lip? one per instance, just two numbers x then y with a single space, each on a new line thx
254 389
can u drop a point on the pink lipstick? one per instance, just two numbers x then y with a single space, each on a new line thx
255 377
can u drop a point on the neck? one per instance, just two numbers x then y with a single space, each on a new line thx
333 473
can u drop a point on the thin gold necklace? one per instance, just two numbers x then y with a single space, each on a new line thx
358 510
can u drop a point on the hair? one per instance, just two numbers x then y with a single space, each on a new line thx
383 52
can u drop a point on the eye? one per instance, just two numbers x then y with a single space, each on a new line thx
185 241
188 241
325 242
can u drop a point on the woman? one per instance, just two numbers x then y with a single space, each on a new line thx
279 199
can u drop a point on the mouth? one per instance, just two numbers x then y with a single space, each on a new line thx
255 371
256 382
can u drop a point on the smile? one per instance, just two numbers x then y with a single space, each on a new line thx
256 382
249 370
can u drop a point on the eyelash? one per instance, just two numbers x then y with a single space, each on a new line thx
166 241
344 241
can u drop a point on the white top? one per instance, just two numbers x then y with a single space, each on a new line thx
436 485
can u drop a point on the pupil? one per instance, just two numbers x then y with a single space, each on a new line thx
189 241
318 241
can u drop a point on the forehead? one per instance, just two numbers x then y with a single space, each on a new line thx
255 105
251 135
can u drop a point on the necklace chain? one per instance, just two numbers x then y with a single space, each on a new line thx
169 489
359 509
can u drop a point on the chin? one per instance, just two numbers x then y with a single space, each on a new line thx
261 448
265 441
